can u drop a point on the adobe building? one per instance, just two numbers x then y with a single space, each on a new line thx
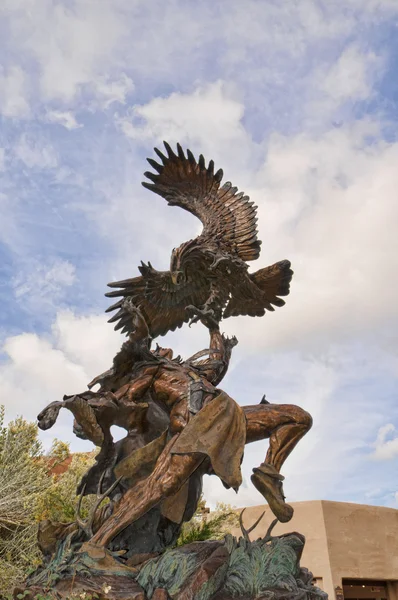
351 549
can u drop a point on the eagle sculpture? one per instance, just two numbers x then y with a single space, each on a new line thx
208 276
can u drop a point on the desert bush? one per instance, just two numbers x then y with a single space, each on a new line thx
28 494
23 479
58 500
204 526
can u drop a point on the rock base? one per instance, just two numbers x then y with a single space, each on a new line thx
211 570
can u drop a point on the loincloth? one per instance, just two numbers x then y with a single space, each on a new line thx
218 431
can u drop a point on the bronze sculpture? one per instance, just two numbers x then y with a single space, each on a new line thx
210 271
179 424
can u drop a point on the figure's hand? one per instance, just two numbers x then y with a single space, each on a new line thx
230 341
49 415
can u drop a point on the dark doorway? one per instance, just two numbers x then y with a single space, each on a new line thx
364 589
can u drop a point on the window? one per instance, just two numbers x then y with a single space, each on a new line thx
318 582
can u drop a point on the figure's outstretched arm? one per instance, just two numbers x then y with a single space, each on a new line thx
220 355
221 346
82 410
216 365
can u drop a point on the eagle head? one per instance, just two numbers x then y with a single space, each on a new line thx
182 259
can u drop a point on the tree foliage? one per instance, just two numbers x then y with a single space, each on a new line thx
29 494
23 479
204 526
58 501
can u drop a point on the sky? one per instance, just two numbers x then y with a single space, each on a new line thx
298 103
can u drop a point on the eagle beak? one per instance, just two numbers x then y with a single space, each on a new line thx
177 277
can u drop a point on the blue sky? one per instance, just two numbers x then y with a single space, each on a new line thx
297 102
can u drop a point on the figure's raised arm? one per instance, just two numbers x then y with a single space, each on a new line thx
219 356
216 365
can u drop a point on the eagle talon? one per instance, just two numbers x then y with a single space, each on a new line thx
129 306
193 313
192 321
206 316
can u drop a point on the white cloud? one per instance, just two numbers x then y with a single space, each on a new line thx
38 286
293 26
99 45
373 493
65 118
208 121
36 373
35 154
41 369
78 49
87 340
209 112
328 203
386 449
109 90
347 78
13 102
334 87
2 159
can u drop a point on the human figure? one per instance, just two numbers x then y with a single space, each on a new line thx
206 431
212 428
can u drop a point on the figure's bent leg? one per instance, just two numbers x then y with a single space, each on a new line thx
284 425
170 473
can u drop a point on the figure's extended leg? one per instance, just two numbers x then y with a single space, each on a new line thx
284 425
170 473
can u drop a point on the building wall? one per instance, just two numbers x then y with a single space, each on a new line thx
343 540
362 541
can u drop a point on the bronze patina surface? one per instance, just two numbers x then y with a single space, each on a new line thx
179 424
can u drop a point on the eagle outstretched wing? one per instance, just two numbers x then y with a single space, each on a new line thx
272 282
161 303
227 216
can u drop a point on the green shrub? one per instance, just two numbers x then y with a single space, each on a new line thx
212 526
58 500
23 479
29 494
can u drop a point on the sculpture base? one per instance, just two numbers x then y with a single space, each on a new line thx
209 570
